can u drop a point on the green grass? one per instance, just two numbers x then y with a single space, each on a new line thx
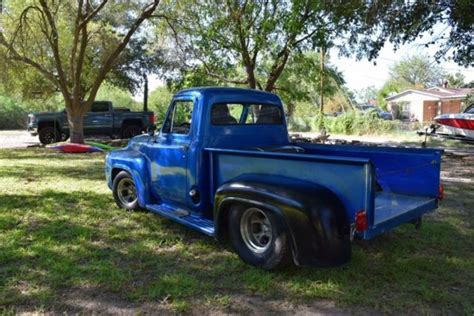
62 237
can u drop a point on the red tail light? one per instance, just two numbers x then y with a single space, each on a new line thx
152 118
361 223
441 192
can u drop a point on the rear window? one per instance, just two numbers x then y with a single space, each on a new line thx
245 114
100 107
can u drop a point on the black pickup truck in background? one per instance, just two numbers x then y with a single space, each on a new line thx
102 119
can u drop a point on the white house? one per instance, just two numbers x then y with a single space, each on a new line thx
424 104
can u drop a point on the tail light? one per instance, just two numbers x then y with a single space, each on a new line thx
361 223
152 118
441 192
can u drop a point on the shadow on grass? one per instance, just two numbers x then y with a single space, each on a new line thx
58 245
87 170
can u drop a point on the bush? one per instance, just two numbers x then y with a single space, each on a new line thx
12 114
348 123
299 124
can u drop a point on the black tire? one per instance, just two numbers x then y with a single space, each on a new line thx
130 131
48 135
274 253
124 182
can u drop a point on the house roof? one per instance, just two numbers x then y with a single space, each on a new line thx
436 92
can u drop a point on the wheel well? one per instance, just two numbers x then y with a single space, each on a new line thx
44 124
115 172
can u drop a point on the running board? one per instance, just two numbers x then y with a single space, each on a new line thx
189 219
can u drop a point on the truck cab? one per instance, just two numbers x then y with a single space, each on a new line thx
223 164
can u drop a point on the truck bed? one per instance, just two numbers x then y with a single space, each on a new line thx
394 185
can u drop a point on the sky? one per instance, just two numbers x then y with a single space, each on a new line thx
362 73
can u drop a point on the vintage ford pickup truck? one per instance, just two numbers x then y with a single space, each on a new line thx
223 164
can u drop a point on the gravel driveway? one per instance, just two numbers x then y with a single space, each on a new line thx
17 139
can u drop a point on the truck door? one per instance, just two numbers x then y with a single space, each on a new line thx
169 154
99 119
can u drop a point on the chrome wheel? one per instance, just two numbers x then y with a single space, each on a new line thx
126 191
256 230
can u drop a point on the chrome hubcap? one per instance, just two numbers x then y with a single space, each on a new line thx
127 192
256 230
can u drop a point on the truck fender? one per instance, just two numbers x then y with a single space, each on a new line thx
314 217
137 168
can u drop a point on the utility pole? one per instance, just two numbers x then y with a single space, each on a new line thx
321 88
322 129
145 93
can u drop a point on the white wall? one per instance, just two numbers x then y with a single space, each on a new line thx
415 103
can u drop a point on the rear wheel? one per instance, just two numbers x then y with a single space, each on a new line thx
125 191
131 131
258 237
48 135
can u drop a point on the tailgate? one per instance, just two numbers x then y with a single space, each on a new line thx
392 210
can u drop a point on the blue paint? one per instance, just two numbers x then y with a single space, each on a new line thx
167 166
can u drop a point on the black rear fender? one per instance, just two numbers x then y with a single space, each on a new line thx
314 218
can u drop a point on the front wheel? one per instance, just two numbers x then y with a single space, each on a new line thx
258 237
48 135
125 191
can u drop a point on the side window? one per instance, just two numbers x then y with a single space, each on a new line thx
100 107
179 118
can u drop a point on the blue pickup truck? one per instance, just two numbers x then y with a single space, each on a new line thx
223 164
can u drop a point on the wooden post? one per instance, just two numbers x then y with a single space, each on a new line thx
145 94
321 88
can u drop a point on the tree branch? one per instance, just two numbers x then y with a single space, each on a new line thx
55 48
109 63
16 56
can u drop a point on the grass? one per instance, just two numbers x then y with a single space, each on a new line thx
63 241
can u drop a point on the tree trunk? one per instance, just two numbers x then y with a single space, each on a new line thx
76 127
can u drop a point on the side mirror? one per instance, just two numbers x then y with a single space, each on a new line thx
151 130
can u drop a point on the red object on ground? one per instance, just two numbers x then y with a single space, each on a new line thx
76 148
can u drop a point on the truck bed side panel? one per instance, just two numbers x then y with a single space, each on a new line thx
350 179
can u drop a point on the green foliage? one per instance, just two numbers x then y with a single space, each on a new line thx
159 101
119 97
360 124
456 80
417 71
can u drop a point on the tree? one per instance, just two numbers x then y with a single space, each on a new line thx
456 80
72 44
258 37
417 72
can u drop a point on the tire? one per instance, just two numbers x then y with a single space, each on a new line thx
125 192
48 135
64 137
130 131
271 249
